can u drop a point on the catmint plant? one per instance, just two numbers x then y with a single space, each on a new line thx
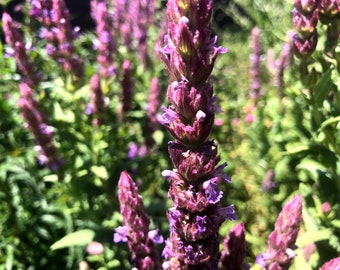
281 242
141 241
196 215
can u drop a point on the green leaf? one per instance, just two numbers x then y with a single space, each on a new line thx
313 236
300 261
51 178
322 88
336 223
79 238
309 221
100 171
61 115
312 167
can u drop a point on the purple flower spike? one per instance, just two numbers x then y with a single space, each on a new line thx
127 86
35 122
281 242
333 264
105 43
15 40
136 229
234 249
97 104
255 62
153 106
189 55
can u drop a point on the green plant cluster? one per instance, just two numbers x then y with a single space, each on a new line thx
47 222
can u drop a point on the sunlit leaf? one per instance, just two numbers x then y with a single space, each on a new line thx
78 238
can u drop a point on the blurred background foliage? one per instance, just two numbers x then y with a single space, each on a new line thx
292 142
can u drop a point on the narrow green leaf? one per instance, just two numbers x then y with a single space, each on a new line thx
78 238
322 88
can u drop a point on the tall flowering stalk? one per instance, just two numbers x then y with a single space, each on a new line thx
15 40
153 106
284 61
105 43
97 103
127 85
281 242
136 232
255 63
37 125
196 215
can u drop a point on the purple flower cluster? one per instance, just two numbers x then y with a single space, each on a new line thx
136 232
37 125
57 31
281 242
195 218
105 43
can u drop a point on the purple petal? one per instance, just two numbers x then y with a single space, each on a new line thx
155 236
120 234
168 116
262 259
211 191
201 223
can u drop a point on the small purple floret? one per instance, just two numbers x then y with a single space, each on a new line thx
155 236
120 234
211 190
201 223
